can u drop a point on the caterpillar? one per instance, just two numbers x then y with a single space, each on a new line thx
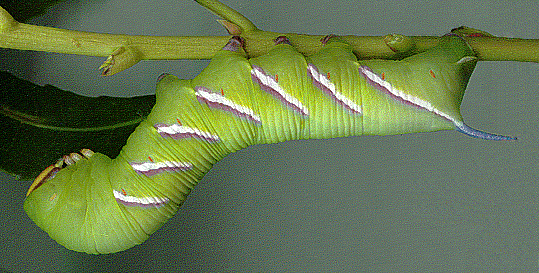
99 205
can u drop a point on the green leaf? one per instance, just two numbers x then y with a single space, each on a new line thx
40 124
24 10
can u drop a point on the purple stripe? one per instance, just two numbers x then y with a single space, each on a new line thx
195 133
328 91
147 202
221 106
389 92
162 170
154 171
140 205
274 92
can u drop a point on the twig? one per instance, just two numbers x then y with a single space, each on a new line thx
126 50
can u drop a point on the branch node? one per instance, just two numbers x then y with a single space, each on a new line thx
465 31
121 59
399 43
228 14
231 28
6 20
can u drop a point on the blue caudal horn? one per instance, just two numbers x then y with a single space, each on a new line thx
467 130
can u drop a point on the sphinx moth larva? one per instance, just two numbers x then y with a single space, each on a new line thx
102 205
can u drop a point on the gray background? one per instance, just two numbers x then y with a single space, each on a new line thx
430 202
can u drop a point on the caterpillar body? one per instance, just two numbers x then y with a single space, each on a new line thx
101 205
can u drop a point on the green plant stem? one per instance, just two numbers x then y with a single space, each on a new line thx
505 49
29 37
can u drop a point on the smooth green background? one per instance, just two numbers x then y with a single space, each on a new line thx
429 202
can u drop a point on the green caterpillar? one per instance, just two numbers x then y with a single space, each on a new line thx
101 205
